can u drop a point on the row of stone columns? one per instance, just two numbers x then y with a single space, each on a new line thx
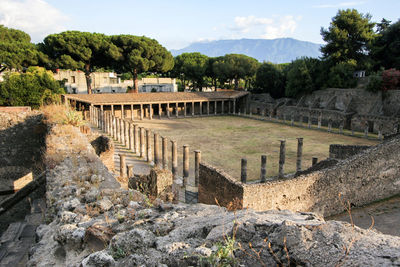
282 154
139 140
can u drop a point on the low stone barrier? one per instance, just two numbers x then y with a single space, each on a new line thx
345 151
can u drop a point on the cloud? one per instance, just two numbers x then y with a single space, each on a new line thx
36 17
267 28
339 5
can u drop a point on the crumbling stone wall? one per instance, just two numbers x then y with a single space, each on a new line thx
158 183
104 148
345 151
370 175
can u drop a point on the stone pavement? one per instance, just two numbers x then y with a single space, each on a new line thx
17 240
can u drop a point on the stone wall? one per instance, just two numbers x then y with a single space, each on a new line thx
370 175
216 185
345 151
104 148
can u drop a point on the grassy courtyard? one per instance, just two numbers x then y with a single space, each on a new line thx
223 141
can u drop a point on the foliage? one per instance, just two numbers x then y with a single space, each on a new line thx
270 79
390 79
77 50
62 114
341 75
16 50
191 66
302 76
375 83
235 67
34 88
385 50
223 256
137 54
348 37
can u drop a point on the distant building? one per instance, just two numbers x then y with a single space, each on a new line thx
359 74
109 82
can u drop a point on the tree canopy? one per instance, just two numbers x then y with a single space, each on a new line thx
79 51
348 37
191 66
16 50
270 79
140 54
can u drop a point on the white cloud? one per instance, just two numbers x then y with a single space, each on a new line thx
36 17
339 5
267 28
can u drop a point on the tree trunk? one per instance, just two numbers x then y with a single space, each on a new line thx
236 83
88 79
135 82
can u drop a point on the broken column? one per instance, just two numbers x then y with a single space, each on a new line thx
263 172
164 144
131 141
330 125
380 127
156 150
148 145
142 144
366 129
185 165
174 152
197 160
130 171
282 152
122 165
243 171
299 154
135 139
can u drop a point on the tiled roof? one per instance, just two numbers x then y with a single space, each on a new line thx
132 98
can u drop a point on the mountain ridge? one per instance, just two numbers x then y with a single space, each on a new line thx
280 50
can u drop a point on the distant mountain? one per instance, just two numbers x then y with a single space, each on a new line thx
282 50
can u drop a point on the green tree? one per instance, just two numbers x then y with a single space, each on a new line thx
341 75
348 37
140 54
385 50
16 50
236 67
77 50
191 66
270 79
33 88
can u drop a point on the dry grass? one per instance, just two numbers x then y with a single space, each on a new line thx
62 114
223 141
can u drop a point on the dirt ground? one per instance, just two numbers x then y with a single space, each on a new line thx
384 216
223 141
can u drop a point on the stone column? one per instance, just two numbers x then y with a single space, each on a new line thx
185 165
131 141
164 144
243 171
208 108
114 134
136 139
341 127
380 127
192 109
234 106
117 129
314 161
299 154
215 107
132 117
197 160
263 173
319 121
126 126
122 132
177 107
122 166
159 111
309 120
282 153
284 118
366 129
130 171
292 120
168 110
229 107
174 151
222 107
184 109
112 110
329 125
301 121
142 143
156 150
201 108
141 111
148 145
150 111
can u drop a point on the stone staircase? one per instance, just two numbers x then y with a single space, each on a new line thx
17 241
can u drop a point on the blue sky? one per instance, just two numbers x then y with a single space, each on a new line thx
177 23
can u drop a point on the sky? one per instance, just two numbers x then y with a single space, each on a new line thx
177 23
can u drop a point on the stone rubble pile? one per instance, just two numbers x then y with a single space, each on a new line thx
93 222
